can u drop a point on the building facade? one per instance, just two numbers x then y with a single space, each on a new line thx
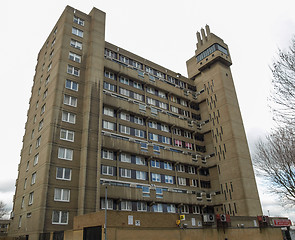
102 119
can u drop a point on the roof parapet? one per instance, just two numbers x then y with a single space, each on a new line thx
205 36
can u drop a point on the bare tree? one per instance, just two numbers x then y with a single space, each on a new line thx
275 160
282 99
275 156
3 210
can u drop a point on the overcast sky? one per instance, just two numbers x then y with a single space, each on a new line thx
163 31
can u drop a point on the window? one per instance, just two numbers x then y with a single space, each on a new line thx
23 203
33 180
109 75
69 100
68 117
142 206
72 85
77 32
187 134
153 125
74 57
180 168
166 140
171 208
196 210
109 204
183 102
125 157
49 67
32 133
107 170
140 160
151 90
138 120
182 181
124 80
177 143
140 175
162 94
45 94
168 179
125 172
124 129
177 131
65 153
78 21
108 111
47 80
156 177
163 105
109 86
184 209
153 136
151 101
20 221
108 125
155 163
107 154
73 70
41 123
67 135
31 198
63 173
125 116
137 85
174 109
62 195
42 109
195 183
28 164
138 96
38 142
36 159
124 59
76 44
158 207
139 133
164 128
191 170
124 92
167 166
188 145
126 205
25 183
60 217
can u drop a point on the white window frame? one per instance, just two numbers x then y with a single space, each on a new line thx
139 133
108 111
155 163
76 44
108 125
168 179
63 177
164 128
125 173
33 179
108 154
196 209
62 195
38 142
109 75
110 204
36 159
77 32
60 215
72 85
107 170
171 208
182 181
68 117
75 57
124 80
70 100
78 20
140 160
138 96
180 168
138 120
124 129
158 207
194 182
124 92
73 70
67 135
124 157
126 205
65 153
31 198
140 175
109 86
156 177
191 170
167 165
141 206
185 209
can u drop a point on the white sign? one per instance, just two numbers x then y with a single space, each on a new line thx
130 220
193 222
137 222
